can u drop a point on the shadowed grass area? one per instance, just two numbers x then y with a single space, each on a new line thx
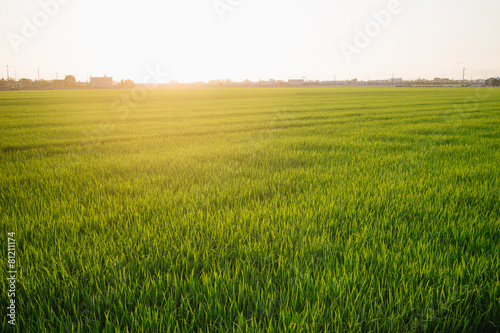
253 209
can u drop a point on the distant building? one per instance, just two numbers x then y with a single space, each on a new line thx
296 82
101 82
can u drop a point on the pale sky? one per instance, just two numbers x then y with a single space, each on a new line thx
192 40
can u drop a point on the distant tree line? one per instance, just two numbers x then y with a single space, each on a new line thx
126 84
69 82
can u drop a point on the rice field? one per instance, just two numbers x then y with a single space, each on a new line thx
215 210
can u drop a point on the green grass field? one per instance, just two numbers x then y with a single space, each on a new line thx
300 210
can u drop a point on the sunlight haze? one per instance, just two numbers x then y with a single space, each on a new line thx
198 41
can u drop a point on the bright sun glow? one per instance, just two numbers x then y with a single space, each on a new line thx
203 40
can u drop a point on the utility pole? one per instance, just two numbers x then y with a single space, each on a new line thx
463 78
7 72
393 80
